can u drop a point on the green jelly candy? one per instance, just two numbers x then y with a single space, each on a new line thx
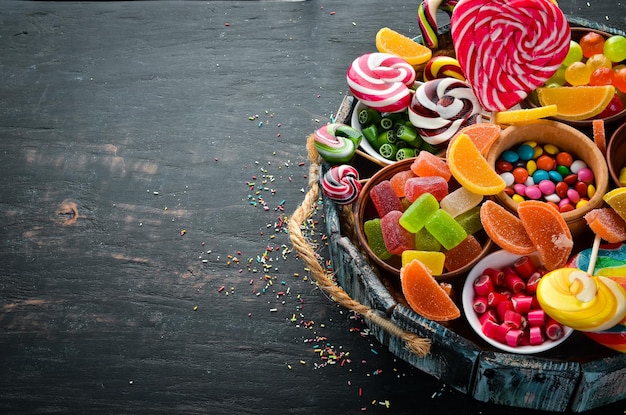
425 241
415 216
445 229
470 220
374 235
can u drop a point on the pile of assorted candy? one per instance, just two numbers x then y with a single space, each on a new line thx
503 55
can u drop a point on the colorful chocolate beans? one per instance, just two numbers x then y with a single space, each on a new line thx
544 172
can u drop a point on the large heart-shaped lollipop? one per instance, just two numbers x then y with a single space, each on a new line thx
508 48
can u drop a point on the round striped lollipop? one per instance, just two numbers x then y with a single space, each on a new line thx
341 184
381 81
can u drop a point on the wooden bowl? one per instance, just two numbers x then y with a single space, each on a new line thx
531 101
364 210
616 154
566 138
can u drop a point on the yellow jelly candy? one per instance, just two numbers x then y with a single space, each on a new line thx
525 115
432 260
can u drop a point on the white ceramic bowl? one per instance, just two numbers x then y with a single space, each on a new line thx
365 145
498 260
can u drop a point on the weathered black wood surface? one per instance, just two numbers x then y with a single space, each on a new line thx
150 153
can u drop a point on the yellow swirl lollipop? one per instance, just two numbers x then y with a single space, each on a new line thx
581 301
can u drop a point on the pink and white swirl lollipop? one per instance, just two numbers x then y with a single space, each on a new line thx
381 81
341 184
508 48
441 107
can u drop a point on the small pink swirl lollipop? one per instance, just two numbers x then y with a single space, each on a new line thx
508 48
441 107
341 184
381 81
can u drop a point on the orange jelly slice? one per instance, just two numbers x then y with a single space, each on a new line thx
548 231
577 102
390 41
505 229
607 224
424 294
471 169
483 135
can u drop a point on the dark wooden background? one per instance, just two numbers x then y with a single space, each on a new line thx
151 153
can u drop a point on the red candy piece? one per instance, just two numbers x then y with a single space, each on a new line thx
384 198
396 238
417 186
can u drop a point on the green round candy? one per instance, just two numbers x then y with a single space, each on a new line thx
574 54
615 48
388 151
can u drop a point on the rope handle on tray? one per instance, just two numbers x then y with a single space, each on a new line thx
416 344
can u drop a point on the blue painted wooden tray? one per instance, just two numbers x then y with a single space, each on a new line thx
577 376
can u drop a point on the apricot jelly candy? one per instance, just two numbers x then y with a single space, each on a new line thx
548 231
424 295
607 224
427 164
505 229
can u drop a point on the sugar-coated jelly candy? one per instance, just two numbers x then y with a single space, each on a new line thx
374 235
445 229
397 239
415 216
470 220
433 260
427 164
425 241
460 201
417 186
607 224
462 254
384 198
398 181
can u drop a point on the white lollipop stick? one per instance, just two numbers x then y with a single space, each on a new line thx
594 255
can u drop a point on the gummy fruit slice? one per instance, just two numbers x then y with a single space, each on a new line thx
577 102
505 229
424 294
616 198
483 135
471 169
607 224
548 231
390 41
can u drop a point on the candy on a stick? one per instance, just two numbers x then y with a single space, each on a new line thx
581 301
381 81
341 184
445 229
607 224
548 231
337 143
385 199
441 107
415 216
508 49
443 67
417 186
374 235
505 229
431 259
397 239
427 19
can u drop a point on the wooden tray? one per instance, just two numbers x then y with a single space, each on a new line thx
558 380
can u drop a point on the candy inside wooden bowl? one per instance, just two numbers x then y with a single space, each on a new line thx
532 102
566 138
616 154
364 210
